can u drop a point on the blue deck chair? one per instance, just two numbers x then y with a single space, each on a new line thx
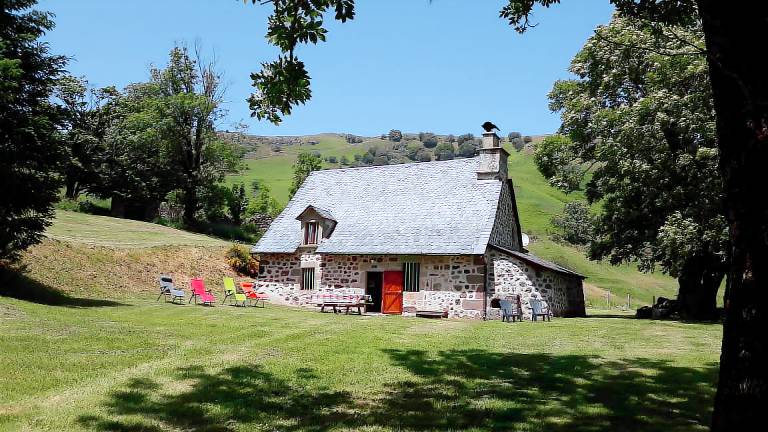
170 291
539 308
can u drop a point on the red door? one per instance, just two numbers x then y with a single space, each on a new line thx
392 293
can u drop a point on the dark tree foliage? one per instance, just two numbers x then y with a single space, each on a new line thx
467 150
395 135
444 151
734 33
30 151
87 115
575 225
428 139
237 203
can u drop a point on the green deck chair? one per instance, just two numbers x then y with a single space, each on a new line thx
231 291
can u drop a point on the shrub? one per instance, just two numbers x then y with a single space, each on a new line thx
444 152
367 159
344 160
576 225
517 143
424 156
395 135
332 159
241 261
513 135
527 139
213 199
467 150
237 202
461 139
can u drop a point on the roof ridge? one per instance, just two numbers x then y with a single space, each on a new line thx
407 164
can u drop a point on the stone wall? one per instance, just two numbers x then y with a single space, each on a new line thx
511 275
447 283
504 233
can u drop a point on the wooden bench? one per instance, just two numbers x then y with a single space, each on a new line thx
339 302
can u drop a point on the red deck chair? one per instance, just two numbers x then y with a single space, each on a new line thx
198 290
253 295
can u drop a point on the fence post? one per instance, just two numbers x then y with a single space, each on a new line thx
608 299
629 301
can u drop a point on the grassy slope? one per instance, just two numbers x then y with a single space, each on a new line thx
537 203
107 231
154 367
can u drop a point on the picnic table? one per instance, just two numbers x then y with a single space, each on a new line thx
339 302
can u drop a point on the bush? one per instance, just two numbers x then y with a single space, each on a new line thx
247 233
395 135
518 143
237 202
461 139
367 159
527 139
332 159
213 199
444 152
513 135
424 155
576 225
380 160
344 160
241 261
467 150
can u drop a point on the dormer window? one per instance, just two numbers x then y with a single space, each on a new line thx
316 224
310 233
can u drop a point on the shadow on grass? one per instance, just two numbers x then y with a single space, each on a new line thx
633 317
15 284
450 390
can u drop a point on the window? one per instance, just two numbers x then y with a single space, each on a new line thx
310 233
411 277
308 278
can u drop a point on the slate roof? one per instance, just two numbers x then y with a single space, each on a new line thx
320 211
533 259
430 208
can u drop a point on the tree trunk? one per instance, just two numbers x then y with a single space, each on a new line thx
699 282
191 202
736 35
71 189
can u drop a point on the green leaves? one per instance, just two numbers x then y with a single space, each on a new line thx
280 85
284 83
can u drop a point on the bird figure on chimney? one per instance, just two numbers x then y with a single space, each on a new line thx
489 127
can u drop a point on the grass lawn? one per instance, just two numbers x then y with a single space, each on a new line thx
107 231
143 366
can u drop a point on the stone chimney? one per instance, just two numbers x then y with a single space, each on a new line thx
492 160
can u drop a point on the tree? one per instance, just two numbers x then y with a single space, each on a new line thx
733 34
467 150
668 175
304 165
395 135
237 203
461 139
513 135
133 171
444 151
552 153
263 203
428 139
188 104
575 224
30 151
87 116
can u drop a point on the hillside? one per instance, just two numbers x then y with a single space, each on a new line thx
537 203
90 257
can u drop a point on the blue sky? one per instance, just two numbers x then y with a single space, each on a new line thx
444 66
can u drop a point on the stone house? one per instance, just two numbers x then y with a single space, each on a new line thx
438 236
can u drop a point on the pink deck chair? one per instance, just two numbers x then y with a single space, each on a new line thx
252 295
198 290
